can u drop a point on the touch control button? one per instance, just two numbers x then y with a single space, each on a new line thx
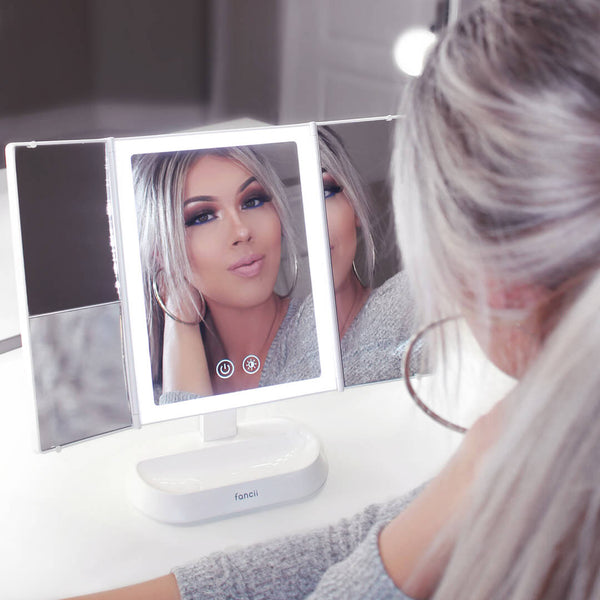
225 368
251 364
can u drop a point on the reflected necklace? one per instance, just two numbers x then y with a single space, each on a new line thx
264 349
354 310
278 304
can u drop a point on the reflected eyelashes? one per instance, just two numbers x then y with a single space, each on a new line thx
206 214
331 190
330 186
256 201
200 218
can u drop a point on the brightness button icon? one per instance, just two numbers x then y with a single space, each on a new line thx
251 364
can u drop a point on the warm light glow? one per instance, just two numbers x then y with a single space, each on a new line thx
411 48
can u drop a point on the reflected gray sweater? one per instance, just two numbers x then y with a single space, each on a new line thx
371 349
340 562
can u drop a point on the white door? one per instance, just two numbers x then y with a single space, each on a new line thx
337 59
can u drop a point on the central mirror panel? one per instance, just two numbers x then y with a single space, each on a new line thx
225 268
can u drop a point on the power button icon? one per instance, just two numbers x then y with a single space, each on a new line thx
225 368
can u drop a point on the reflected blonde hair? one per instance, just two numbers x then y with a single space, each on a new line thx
497 174
159 181
336 161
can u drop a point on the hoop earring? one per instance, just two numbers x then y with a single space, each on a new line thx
414 340
164 308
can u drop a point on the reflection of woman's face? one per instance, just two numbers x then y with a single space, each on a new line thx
341 224
233 233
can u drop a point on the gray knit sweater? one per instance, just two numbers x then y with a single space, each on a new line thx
339 562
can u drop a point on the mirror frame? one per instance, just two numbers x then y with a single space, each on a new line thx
137 357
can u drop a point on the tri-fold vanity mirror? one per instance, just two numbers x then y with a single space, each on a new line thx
168 276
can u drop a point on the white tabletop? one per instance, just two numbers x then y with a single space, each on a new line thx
68 527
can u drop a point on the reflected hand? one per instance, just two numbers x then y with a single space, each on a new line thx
185 366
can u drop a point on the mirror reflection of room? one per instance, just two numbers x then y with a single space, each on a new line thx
73 305
219 240
374 308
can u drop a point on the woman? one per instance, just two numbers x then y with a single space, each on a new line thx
212 224
500 215
498 187
373 324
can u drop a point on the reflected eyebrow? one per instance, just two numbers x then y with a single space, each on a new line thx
246 184
198 199
242 187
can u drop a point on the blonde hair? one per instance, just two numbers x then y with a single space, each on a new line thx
159 181
497 174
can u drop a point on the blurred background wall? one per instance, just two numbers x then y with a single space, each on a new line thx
85 68
93 68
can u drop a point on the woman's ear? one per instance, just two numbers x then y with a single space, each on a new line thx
510 344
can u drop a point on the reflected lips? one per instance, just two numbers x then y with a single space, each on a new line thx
249 266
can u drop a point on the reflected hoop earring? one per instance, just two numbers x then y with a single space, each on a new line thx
164 308
295 277
413 342
357 275
360 279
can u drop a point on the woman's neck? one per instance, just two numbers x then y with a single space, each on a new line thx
350 297
237 333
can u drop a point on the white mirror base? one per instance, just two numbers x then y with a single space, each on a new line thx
267 462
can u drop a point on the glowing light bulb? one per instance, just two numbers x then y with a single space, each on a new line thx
410 50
